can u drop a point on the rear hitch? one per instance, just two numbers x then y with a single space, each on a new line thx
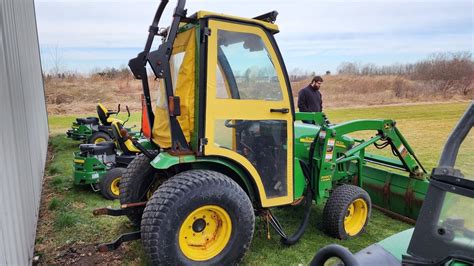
117 242
124 209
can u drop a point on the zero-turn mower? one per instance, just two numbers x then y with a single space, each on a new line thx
444 231
90 130
232 147
102 165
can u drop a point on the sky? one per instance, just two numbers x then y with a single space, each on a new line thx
315 35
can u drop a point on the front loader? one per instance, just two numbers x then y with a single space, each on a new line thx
232 147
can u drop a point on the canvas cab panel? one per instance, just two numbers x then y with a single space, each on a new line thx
248 112
183 68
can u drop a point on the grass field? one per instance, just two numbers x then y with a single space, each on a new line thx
66 225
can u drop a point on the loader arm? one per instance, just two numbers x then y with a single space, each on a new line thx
391 190
389 134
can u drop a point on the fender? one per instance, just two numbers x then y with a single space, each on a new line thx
165 160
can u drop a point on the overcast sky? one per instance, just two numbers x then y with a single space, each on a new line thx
314 35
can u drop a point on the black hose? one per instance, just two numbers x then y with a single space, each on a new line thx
299 233
309 176
331 251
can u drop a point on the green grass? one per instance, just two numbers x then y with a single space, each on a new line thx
426 127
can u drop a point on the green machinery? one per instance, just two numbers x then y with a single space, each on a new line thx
446 220
90 131
231 146
102 165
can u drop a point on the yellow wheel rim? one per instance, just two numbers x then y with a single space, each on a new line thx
99 140
115 186
205 233
356 215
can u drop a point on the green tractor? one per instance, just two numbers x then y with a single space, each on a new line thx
102 165
231 146
444 231
90 131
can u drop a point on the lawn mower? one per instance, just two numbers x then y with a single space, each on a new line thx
102 165
444 231
90 131
232 147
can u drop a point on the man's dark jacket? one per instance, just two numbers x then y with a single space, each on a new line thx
310 100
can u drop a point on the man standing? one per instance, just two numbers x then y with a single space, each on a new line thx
309 98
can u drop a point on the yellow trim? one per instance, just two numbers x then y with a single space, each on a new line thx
355 217
114 186
221 109
205 233
270 26
79 161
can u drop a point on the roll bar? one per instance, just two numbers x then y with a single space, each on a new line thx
159 62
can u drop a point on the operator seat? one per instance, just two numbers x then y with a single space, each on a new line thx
104 115
124 143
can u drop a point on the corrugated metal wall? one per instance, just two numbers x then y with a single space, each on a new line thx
24 131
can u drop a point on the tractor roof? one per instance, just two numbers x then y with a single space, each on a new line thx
273 28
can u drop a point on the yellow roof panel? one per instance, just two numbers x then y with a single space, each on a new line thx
269 26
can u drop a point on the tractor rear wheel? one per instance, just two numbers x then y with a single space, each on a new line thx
98 137
138 180
346 212
198 217
110 183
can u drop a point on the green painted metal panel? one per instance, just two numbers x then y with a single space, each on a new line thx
299 180
394 191
397 244
165 160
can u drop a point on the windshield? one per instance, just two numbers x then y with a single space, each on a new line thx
246 70
465 158
445 228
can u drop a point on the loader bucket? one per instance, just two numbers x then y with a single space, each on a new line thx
394 193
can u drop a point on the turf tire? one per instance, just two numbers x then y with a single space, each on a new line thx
107 181
98 135
135 181
336 208
185 192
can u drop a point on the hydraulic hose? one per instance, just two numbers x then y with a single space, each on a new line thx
309 175
334 250
291 240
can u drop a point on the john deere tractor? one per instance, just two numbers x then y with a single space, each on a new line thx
232 147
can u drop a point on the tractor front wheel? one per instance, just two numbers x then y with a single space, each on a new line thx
98 137
346 212
110 183
197 217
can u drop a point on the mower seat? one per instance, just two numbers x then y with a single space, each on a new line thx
124 144
106 147
103 115
88 121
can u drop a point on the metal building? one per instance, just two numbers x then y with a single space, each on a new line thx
23 131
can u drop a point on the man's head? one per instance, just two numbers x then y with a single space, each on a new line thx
316 82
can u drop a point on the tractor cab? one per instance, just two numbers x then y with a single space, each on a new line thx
231 98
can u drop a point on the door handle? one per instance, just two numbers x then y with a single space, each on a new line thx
281 110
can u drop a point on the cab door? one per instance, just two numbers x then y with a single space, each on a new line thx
248 112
